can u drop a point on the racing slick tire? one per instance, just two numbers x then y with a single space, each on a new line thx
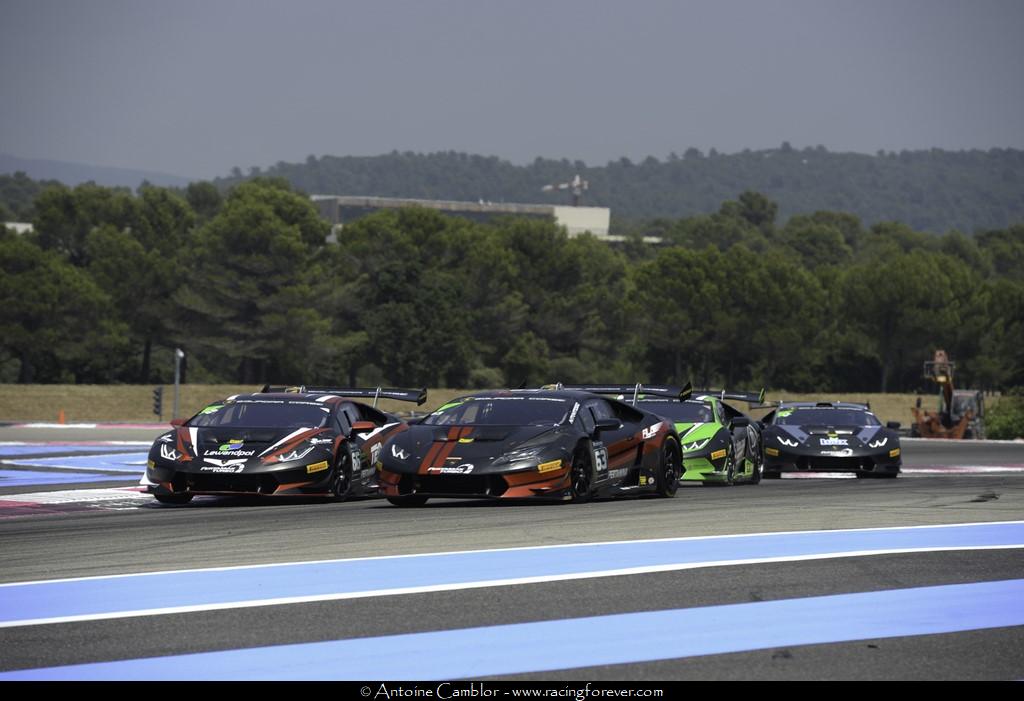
176 499
667 477
412 500
755 478
730 468
581 477
341 482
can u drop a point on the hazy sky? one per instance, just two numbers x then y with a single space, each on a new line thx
194 87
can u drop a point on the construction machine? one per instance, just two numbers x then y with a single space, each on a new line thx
961 412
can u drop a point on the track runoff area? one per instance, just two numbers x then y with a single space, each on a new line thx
916 578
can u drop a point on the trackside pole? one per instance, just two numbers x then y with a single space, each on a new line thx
178 355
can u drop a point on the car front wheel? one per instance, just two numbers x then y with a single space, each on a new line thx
667 478
580 477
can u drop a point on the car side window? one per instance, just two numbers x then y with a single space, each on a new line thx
586 419
351 413
342 423
601 410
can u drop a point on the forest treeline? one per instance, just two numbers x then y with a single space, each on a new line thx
250 285
934 190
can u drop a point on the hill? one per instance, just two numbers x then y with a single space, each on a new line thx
933 190
75 173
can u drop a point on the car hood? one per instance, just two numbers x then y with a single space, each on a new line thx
440 445
250 444
689 432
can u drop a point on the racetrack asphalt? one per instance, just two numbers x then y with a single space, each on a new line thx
138 536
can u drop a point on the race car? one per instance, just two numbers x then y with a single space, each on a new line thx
281 441
540 444
721 444
830 437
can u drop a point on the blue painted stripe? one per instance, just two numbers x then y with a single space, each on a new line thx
585 642
29 478
107 595
7 451
120 462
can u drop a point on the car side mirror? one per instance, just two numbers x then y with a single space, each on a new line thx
740 421
894 425
363 426
607 425
177 422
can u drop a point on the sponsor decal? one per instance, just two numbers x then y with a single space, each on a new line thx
844 453
549 466
786 441
774 452
357 463
617 474
398 453
316 467
230 453
643 480
169 453
572 414
320 441
379 465
651 431
212 409
465 440
833 441
463 469
784 413
150 464
878 443
167 438
894 452
600 459
231 445
219 466
718 454
375 452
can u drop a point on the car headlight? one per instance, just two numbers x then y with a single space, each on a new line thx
521 455
878 443
787 441
297 454
524 453
695 446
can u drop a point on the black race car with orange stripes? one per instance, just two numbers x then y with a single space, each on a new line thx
543 444
281 441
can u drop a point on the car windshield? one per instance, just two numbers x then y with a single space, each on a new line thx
260 413
501 411
822 416
679 412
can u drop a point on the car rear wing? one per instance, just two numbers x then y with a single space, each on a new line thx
630 390
751 397
403 395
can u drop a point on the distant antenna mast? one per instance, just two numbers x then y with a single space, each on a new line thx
576 186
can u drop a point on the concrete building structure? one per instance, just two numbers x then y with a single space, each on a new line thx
341 210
